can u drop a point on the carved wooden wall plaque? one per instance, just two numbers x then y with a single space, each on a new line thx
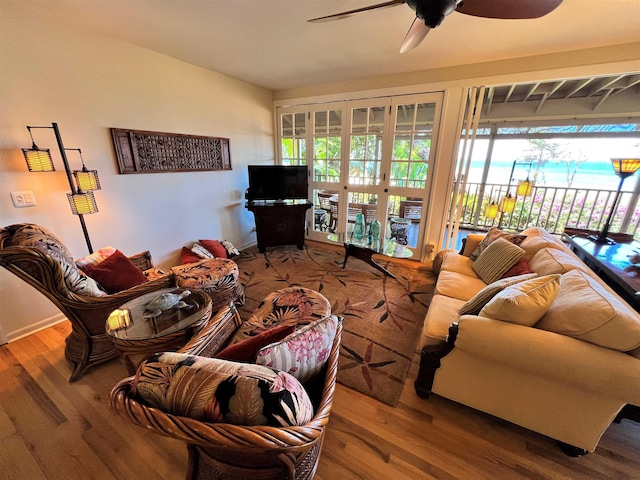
138 151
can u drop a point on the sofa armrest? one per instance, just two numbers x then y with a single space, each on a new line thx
471 242
553 356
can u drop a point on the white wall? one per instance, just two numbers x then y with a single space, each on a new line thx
88 83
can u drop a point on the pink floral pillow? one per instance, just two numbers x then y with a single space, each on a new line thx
304 352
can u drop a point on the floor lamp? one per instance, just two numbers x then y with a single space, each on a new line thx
624 167
81 198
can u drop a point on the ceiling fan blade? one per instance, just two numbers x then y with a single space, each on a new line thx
339 16
415 35
508 8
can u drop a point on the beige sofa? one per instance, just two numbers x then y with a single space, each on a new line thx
567 376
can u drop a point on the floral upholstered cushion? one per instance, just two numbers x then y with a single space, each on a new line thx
492 235
213 273
154 273
214 390
29 235
288 306
303 353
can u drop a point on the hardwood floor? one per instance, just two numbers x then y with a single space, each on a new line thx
53 429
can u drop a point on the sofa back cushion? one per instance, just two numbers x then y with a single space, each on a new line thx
551 260
584 309
523 303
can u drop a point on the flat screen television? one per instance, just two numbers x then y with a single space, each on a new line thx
278 182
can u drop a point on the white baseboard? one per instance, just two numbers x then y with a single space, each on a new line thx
33 328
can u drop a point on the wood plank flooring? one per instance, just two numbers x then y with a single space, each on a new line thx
53 429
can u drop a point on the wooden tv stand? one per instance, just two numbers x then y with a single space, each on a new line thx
279 223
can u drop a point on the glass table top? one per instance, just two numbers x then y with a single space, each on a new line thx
385 246
132 321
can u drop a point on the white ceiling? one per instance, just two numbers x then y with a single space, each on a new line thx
270 43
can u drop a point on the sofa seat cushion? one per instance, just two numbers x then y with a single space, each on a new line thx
453 262
215 390
584 309
551 260
443 311
454 285
523 303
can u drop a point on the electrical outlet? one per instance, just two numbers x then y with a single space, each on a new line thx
23 199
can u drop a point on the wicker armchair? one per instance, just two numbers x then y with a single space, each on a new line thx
87 344
234 452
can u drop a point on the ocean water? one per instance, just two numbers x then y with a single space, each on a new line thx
595 170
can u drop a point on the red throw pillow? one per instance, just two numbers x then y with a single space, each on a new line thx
188 256
246 350
116 273
215 247
520 268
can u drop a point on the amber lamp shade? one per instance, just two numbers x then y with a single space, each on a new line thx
491 211
625 167
87 180
508 204
82 203
38 160
525 187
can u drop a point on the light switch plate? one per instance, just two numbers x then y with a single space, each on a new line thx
23 199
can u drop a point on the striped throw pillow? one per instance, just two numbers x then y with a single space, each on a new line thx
473 306
496 259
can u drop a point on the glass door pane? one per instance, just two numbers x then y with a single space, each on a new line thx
293 142
365 150
412 145
326 128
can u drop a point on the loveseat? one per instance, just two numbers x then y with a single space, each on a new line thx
555 350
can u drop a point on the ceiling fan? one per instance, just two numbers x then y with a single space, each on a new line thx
431 13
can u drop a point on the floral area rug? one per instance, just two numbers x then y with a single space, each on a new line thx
383 317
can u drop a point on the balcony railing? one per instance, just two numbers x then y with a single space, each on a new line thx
552 208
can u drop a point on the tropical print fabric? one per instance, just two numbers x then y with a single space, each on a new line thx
220 391
211 274
303 353
288 306
35 236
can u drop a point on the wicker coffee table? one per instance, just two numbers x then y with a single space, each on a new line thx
135 335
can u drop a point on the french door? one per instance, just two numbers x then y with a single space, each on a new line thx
371 156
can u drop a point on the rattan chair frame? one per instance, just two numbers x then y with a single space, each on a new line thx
88 343
232 452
